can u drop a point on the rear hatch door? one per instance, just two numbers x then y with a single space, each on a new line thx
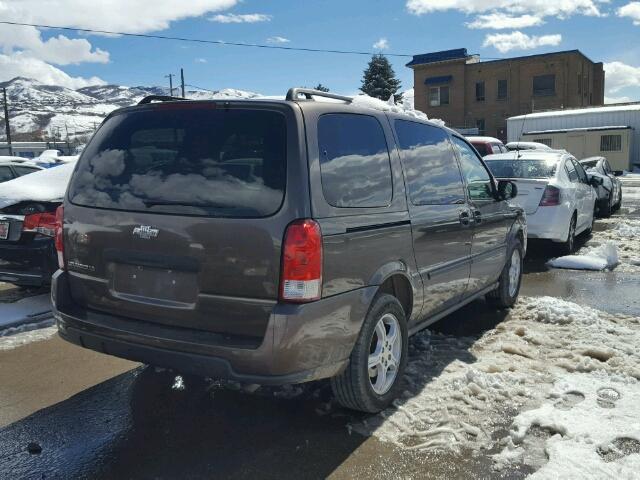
177 211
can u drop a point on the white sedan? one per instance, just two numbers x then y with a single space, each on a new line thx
554 190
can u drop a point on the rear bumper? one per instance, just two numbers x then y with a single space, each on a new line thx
28 264
549 223
302 342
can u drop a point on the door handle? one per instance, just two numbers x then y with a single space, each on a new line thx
465 218
477 216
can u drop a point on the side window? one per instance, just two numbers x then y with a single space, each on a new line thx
581 173
431 170
571 171
607 167
5 174
354 161
474 172
24 170
481 148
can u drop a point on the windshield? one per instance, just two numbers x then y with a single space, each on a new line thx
186 159
522 168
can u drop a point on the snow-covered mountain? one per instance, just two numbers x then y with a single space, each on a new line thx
40 111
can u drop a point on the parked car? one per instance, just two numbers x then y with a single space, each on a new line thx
273 242
556 193
27 225
515 146
487 145
610 192
14 167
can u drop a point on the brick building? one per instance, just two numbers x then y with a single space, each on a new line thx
466 93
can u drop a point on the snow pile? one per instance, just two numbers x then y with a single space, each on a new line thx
599 258
27 334
592 429
459 391
625 235
366 101
45 185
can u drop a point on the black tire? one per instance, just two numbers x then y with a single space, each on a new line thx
353 387
593 220
618 204
606 208
504 296
569 245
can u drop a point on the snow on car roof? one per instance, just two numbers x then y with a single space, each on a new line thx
528 146
483 139
528 155
366 101
44 186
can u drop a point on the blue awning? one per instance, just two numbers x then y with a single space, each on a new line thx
436 80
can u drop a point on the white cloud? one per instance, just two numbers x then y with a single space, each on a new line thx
200 60
119 15
246 18
631 10
19 65
498 21
608 100
505 42
382 44
619 75
59 50
278 40
540 8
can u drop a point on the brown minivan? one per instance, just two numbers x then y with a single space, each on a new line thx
276 242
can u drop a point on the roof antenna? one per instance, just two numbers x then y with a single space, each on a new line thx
524 119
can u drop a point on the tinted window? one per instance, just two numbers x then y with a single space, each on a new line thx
481 148
354 161
544 85
186 159
5 174
24 170
502 89
571 171
431 169
522 168
477 177
581 173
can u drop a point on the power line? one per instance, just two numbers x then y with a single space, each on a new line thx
200 40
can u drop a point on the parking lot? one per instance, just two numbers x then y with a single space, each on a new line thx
66 412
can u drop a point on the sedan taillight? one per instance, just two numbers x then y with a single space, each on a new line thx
43 223
550 197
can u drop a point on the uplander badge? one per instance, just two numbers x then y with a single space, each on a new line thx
145 231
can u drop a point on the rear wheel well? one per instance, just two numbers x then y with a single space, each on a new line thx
399 287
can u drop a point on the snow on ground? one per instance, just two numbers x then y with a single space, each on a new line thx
27 334
461 391
603 257
624 233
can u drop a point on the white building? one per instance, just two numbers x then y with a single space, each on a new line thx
580 126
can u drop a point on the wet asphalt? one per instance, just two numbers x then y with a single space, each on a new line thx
66 412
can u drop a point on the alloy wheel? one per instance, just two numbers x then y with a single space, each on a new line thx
385 354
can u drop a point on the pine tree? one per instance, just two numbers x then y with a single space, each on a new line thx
380 80
321 88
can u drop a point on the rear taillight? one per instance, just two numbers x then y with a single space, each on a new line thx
550 197
301 279
58 235
43 223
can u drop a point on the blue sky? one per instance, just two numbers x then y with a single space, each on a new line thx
603 31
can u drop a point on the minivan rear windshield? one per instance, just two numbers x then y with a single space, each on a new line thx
522 168
191 159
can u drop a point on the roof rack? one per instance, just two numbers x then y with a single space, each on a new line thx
294 93
159 98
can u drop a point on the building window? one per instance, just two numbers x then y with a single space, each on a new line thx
480 126
502 89
479 91
544 85
438 96
546 141
611 143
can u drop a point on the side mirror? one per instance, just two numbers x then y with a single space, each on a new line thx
595 181
618 173
507 189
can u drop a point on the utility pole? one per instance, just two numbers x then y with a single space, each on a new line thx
170 77
6 121
182 81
